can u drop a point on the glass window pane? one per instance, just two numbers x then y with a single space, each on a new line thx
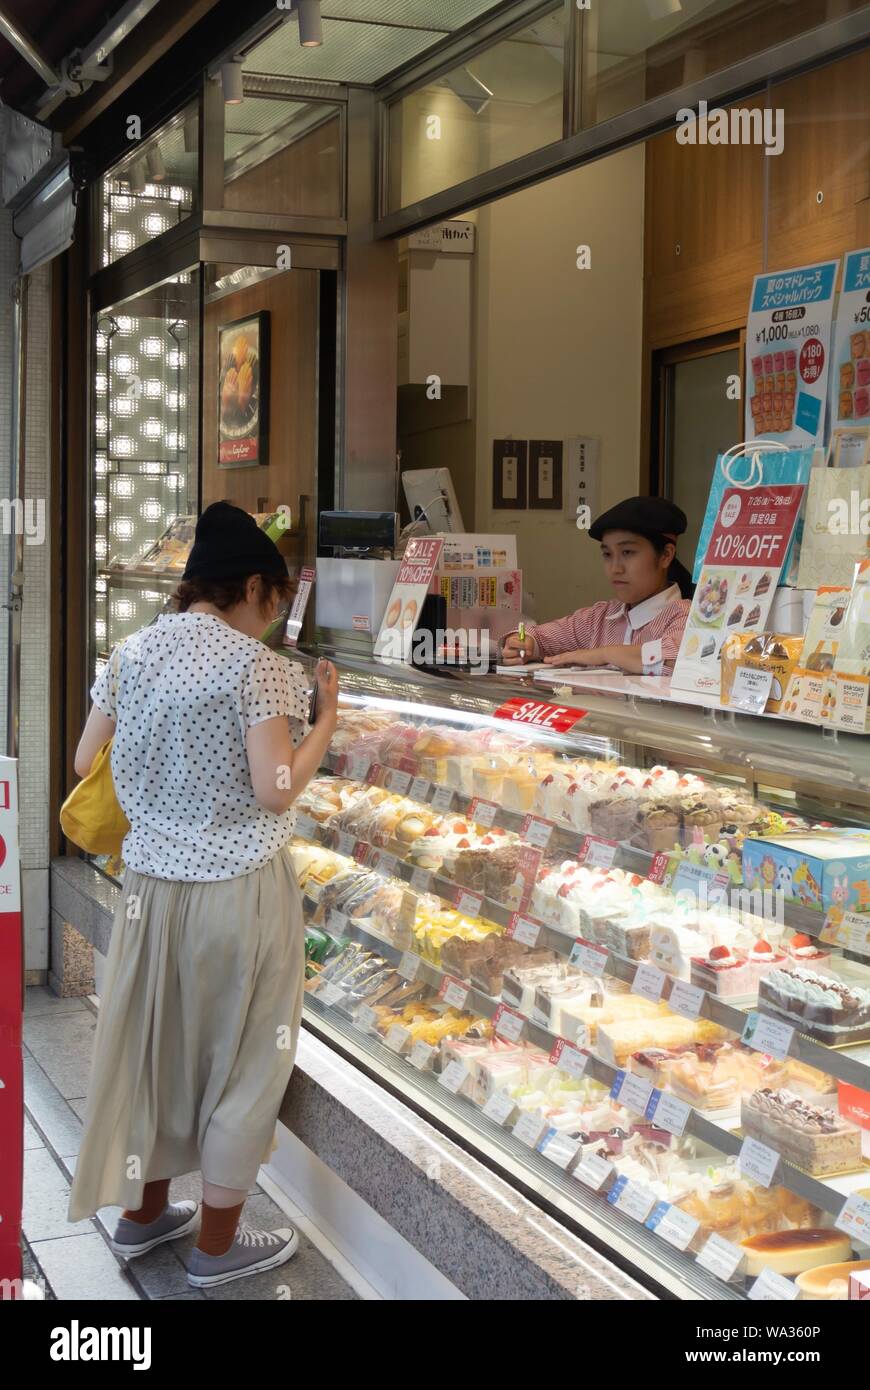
151 190
499 105
283 156
703 424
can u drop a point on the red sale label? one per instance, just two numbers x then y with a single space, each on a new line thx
560 718
754 526
658 868
812 360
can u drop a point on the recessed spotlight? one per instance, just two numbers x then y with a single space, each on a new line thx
310 26
231 82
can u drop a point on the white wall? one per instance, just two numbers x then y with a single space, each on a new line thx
558 353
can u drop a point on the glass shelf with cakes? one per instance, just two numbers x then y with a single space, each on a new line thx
595 961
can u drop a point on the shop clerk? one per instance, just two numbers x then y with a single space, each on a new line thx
640 629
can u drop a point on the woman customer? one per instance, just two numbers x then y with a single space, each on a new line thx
203 988
640 629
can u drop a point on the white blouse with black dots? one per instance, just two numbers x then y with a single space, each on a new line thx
187 689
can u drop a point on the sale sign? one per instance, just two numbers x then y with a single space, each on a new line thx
745 555
393 642
788 351
560 718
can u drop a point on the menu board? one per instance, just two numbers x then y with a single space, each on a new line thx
745 555
850 377
405 603
788 349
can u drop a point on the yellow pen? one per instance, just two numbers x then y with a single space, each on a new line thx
521 634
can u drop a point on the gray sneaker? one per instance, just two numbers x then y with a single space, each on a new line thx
134 1238
250 1253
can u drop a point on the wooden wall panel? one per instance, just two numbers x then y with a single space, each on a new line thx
304 178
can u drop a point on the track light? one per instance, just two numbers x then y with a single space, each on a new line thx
138 176
310 27
231 82
156 167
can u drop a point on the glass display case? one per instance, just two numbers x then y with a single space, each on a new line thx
621 948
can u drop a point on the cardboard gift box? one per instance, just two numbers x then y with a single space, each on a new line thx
817 868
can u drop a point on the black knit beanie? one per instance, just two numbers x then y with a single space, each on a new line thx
228 544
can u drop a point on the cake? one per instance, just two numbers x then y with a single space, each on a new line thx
763 585
792 1252
701 817
612 817
810 1136
827 1009
753 616
615 1042
487 971
658 825
829 1282
723 972
801 949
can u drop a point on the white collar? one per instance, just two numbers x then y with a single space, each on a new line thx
643 613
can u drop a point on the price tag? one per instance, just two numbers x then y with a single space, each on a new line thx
361 851
374 775
357 767
524 929
442 799
329 994
344 843
771 1287
482 812
750 689
421 879
560 1149
536 831
649 982
420 789
305 827
568 1058
671 1114
757 1161
453 992
499 1107
720 1257
633 1198
592 959
453 1076
366 1018
854 1218
686 999
594 1171
658 869
768 1035
467 902
598 853
409 965
421 1055
529 1128
631 1091
336 921
397 1037
398 781
384 864
673 1225
508 1024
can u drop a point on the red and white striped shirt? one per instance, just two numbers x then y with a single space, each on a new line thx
656 625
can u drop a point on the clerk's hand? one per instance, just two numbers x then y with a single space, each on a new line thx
578 658
512 647
327 691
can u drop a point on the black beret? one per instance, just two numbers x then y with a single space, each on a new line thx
645 516
228 544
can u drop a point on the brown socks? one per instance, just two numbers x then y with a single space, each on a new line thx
154 1199
218 1228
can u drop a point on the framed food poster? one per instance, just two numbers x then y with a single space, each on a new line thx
243 392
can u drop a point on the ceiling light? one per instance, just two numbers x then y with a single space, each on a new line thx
469 89
156 167
310 27
138 176
231 81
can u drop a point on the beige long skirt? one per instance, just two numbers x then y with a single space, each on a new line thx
196 1035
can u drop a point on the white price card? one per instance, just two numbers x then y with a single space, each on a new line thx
686 999
631 1091
409 965
857 936
357 768
768 1035
397 1037
508 1024
594 1171
468 903
636 1200
453 1076
750 689
673 1224
560 1149
854 1218
536 831
597 853
758 1161
566 1057
366 1017
442 799
649 982
592 959
671 1114
420 789
482 812
305 827
384 864
421 879
421 1055
499 1107
329 994
453 992
398 781
344 843
524 929
771 1287
720 1257
336 921
529 1127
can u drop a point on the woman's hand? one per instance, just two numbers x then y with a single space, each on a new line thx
326 677
516 653
578 658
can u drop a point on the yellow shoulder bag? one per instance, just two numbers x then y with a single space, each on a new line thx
91 816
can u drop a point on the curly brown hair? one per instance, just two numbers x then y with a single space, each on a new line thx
226 593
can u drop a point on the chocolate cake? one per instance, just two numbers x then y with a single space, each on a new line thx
827 1009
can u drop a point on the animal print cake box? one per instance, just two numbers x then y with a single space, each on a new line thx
826 869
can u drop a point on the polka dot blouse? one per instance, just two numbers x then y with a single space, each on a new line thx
187 689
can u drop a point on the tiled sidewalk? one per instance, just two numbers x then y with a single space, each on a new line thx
75 1258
